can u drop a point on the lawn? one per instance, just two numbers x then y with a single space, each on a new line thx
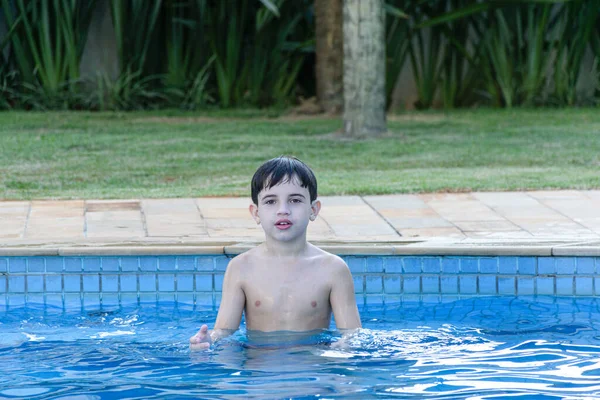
66 155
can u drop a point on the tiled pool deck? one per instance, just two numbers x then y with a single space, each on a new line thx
539 223
97 253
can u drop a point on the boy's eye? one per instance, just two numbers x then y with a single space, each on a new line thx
270 202
296 201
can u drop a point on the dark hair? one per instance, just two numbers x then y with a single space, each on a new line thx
281 170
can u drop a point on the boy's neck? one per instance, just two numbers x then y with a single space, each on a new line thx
294 248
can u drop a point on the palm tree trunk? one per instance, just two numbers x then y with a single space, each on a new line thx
330 55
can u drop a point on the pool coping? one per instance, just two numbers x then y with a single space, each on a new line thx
407 246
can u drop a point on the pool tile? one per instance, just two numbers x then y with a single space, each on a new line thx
185 282
91 283
202 263
221 263
526 265
150 264
450 265
35 283
204 299
3 284
597 287
374 284
168 264
129 299
468 284
73 264
357 265
166 297
109 299
54 283
216 301
35 298
546 265
110 283
488 265
584 286
392 284
373 299
432 265
204 283
3 265
14 300
147 282
166 282
507 265
430 284
72 283
53 300
374 264
130 264
392 264
185 298
565 265
92 264
72 301
218 282
128 283
16 284
506 285
147 297
110 264
411 284
525 286
449 284
487 284
91 301
412 265
564 286
544 285
17 265
36 264
469 265
585 265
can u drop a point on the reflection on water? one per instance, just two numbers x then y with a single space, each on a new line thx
478 348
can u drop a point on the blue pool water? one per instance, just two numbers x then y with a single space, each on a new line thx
474 348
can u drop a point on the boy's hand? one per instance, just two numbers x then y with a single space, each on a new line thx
201 340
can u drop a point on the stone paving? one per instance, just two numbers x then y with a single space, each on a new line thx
572 216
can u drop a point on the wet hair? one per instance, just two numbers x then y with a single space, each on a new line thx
281 170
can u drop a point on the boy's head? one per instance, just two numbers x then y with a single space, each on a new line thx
281 170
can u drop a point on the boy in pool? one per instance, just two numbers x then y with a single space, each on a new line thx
286 283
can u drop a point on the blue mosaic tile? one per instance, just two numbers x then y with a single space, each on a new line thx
585 265
469 265
584 286
392 265
17 264
110 283
508 265
564 286
92 264
53 300
218 282
221 263
91 283
216 301
150 264
147 282
526 265
430 284
468 284
109 299
374 264
450 265
411 284
147 297
357 265
487 284
16 284
72 283
3 283
374 284
35 298
129 298
449 284
130 264
488 265
204 283
506 285
597 286
185 282
166 282
91 301
204 299
110 264
169 264
565 265
73 264
185 298
525 286
544 286
35 284
373 300
412 265
53 283
3 265
15 300
199 263
128 283
432 265
546 265
392 284
36 264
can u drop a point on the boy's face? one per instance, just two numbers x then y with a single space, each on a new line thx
284 210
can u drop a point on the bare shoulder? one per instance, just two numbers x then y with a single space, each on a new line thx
334 263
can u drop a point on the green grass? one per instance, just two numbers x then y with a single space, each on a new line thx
175 154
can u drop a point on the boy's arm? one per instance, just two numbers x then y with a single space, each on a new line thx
343 302
233 300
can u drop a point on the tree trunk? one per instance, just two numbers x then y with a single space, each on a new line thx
329 54
364 68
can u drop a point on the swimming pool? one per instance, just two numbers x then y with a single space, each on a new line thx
435 326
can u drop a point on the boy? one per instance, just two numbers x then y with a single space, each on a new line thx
286 283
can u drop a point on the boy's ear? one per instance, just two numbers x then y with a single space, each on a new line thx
315 207
254 212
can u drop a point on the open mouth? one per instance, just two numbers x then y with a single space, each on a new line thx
283 224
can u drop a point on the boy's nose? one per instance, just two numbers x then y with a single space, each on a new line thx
283 211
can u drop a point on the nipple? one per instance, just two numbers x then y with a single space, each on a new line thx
313 304
257 303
